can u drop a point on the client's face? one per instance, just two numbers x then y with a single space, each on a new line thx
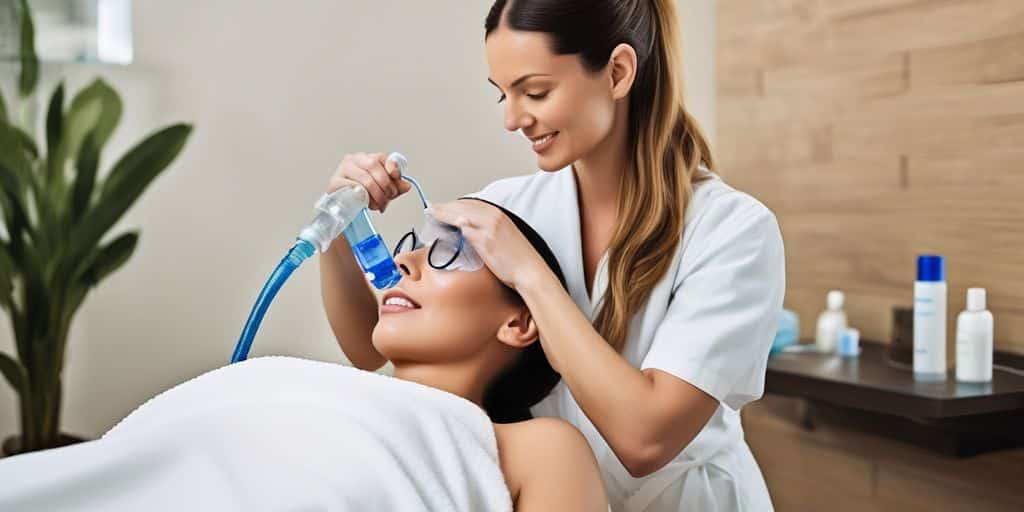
456 314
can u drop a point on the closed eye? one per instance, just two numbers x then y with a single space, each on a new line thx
538 96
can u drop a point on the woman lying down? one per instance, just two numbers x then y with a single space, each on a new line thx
281 433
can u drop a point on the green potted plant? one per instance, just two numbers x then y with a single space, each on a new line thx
56 210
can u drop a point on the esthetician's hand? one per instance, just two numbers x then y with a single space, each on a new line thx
504 249
379 176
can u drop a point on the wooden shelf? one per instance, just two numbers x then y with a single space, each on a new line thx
866 392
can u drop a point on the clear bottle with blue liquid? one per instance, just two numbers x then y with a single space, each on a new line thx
371 252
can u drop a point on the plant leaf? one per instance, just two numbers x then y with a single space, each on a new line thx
29 62
110 257
3 108
55 119
146 160
15 217
107 119
26 141
37 304
85 178
14 174
13 372
95 109
75 295
12 153
7 271
130 176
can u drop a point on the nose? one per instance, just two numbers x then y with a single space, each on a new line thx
410 263
515 117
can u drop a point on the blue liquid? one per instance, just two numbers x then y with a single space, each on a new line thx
374 257
371 252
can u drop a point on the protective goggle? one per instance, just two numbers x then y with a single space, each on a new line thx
449 250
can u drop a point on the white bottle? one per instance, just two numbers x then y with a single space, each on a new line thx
974 340
831 323
930 319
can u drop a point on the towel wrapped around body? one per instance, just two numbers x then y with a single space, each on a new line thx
276 433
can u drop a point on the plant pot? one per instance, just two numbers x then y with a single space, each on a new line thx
12 445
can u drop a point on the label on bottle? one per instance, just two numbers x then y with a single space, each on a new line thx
973 348
930 327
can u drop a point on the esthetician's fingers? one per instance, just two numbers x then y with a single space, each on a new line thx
501 245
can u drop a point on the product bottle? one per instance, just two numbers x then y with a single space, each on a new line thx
849 342
974 340
831 323
930 318
371 252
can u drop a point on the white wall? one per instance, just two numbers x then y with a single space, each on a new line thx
278 92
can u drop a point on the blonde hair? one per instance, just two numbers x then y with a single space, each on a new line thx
668 146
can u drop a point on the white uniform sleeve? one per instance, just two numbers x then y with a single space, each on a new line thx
498 191
722 316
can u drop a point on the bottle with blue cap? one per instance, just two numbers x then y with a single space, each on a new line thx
930 318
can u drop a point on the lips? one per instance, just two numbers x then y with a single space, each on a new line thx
540 138
535 138
543 142
396 301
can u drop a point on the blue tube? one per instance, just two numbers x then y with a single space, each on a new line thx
367 245
296 255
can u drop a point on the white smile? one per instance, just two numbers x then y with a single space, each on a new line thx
541 141
399 301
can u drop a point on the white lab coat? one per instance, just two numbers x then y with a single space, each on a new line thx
710 321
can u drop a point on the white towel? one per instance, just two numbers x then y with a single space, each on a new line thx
276 433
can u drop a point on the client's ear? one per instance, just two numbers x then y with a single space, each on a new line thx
518 330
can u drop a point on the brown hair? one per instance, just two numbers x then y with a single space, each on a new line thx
666 143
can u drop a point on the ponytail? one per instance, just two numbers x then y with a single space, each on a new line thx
666 144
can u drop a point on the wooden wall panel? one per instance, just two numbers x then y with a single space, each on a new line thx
995 60
834 469
878 130
903 26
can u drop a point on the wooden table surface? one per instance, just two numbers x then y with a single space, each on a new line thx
872 382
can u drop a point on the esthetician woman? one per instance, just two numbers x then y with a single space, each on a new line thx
674 278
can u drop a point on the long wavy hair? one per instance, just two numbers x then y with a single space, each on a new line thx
666 143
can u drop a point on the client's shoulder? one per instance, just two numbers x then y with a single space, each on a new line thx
548 463
540 431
